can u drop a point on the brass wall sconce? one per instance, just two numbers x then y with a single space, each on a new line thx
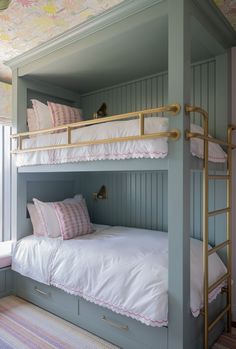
101 194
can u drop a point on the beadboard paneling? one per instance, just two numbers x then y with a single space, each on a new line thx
139 199
140 94
151 92
135 199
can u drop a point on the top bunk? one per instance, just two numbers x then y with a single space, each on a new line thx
135 135
125 59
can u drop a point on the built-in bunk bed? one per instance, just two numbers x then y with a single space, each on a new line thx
144 59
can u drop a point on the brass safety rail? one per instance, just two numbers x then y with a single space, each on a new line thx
209 139
174 134
226 278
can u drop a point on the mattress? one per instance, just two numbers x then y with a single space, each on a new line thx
156 148
122 269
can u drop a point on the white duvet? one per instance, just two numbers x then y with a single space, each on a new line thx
123 269
148 148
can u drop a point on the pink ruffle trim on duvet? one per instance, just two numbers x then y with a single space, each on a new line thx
53 160
120 310
113 307
113 156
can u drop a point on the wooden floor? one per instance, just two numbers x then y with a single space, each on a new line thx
226 341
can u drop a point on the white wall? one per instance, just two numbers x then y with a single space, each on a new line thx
234 180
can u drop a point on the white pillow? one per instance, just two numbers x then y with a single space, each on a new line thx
216 153
31 120
38 228
42 113
48 217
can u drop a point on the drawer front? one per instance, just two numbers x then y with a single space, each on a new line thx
47 297
119 329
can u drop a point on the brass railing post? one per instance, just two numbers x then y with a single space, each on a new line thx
141 121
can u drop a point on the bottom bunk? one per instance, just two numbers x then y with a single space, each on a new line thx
118 329
127 269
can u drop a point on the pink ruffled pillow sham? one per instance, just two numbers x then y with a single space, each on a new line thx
63 114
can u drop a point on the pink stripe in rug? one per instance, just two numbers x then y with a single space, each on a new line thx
23 325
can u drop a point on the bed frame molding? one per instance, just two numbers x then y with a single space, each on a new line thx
7 282
183 331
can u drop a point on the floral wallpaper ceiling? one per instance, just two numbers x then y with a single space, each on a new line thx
28 23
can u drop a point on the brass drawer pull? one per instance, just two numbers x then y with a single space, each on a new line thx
114 324
41 292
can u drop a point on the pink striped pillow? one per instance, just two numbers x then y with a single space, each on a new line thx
73 219
63 114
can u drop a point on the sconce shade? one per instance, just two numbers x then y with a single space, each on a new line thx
101 194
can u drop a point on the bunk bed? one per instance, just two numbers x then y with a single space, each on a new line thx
146 193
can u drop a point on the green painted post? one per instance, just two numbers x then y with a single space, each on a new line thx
179 178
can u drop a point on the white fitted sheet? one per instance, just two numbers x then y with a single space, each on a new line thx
123 269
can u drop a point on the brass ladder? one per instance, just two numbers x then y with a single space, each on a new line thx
226 278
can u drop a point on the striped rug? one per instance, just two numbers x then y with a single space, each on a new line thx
25 326
226 341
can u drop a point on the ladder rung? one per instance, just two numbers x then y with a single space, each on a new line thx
225 177
218 282
216 212
218 247
219 317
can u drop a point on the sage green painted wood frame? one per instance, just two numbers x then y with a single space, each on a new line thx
7 282
178 179
220 36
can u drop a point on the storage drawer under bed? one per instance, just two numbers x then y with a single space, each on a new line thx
120 330
47 297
